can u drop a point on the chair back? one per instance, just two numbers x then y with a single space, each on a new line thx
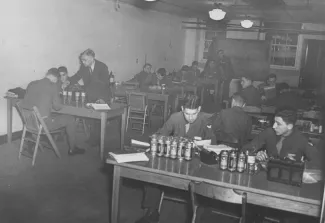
29 118
137 101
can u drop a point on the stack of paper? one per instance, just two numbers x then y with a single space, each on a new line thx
130 157
99 106
217 148
139 143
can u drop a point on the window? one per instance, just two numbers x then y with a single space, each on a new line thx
209 36
283 49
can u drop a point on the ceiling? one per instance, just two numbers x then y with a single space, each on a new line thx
299 11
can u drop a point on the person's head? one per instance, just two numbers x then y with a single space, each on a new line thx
246 81
147 68
53 75
161 72
237 100
195 65
87 57
63 73
185 69
221 54
283 87
212 64
271 80
191 107
284 122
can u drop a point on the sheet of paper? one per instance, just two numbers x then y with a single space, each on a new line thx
139 143
217 148
203 142
100 106
130 157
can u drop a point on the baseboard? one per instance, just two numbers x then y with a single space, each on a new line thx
15 136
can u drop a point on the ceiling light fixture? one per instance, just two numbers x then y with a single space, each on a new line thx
217 14
246 23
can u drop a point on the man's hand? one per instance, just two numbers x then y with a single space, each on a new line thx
261 156
65 84
263 98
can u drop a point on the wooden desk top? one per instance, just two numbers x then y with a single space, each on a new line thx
309 194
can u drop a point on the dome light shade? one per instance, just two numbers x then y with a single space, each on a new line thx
217 14
246 23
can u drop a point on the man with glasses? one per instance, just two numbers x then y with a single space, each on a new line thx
189 123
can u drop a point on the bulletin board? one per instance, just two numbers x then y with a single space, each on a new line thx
247 56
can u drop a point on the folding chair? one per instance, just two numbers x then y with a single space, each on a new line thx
219 193
34 124
137 109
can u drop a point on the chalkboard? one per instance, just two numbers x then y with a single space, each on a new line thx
250 57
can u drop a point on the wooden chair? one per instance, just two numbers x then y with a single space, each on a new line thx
219 193
34 124
137 109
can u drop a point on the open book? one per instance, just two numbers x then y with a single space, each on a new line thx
99 106
129 157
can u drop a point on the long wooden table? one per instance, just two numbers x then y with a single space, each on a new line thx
178 174
117 110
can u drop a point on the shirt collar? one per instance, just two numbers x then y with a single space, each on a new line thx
93 66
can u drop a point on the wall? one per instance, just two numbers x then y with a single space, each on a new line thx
39 34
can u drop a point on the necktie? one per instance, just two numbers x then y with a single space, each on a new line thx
279 145
90 71
187 127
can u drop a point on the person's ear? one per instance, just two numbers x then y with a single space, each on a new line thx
290 126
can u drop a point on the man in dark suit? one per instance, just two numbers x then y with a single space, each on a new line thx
95 77
44 95
96 82
143 77
232 123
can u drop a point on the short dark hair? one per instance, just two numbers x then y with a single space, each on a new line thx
146 64
271 76
63 69
289 116
185 68
248 77
88 52
195 63
239 98
162 71
191 101
54 72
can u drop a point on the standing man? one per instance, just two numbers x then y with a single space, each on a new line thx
233 123
95 76
143 78
44 95
189 123
96 82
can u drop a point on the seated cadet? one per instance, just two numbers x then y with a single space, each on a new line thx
190 122
64 78
159 78
44 95
233 123
249 92
269 83
181 75
195 69
283 140
287 99
142 77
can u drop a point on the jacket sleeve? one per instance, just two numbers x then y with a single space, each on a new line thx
258 142
75 78
105 74
168 128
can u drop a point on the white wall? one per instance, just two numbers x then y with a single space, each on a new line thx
39 34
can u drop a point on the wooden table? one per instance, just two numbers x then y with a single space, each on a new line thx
178 174
117 110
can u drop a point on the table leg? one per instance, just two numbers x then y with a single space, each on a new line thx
116 195
123 120
103 118
9 120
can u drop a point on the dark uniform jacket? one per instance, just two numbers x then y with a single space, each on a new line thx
44 95
143 78
288 100
175 126
96 82
252 96
232 123
295 143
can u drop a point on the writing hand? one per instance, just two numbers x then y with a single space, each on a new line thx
261 156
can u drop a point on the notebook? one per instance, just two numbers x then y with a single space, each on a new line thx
129 157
